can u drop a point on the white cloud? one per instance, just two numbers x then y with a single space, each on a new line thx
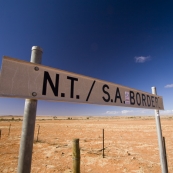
139 112
169 86
112 112
142 59
126 111
142 111
166 111
119 112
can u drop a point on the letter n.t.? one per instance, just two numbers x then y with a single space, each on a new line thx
53 87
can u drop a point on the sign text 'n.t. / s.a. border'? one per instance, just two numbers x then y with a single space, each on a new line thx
28 80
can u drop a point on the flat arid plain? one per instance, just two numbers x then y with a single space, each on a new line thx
131 144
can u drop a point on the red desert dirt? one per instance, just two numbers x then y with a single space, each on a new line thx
131 144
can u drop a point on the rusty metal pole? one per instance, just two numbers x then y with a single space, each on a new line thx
76 156
27 136
9 130
38 132
103 144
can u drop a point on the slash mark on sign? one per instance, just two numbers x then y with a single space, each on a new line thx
90 91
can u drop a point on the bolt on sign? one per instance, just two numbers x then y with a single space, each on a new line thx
23 79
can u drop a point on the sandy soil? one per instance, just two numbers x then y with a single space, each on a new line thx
131 144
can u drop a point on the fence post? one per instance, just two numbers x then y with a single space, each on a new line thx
103 143
159 135
9 130
27 136
76 156
38 132
164 146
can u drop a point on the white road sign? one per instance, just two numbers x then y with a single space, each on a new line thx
23 79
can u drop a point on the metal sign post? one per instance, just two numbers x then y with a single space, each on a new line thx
159 135
27 136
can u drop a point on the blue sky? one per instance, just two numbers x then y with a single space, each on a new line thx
125 42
